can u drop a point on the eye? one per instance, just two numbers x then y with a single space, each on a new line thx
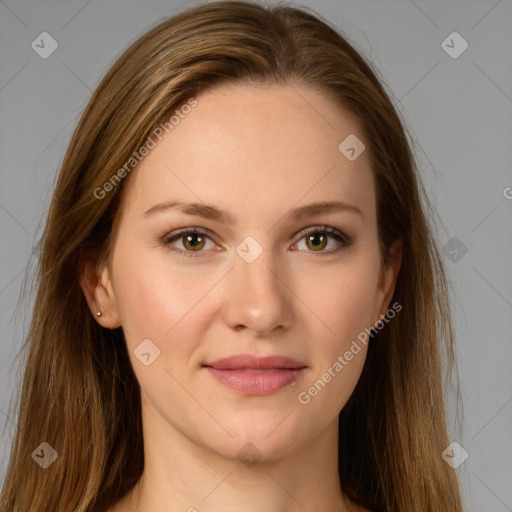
317 239
193 240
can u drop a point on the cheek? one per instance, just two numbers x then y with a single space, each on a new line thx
156 302
340 344
152 295
343 300
342 296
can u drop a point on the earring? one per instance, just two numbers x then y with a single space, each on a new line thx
99 313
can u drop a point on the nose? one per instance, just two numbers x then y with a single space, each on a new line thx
257 296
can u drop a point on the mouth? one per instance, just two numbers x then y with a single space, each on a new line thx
250 381
256 376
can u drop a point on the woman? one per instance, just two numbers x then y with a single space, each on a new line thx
240 304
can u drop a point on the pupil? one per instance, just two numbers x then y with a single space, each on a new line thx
189 241
315 237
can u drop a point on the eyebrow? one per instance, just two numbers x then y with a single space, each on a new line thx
213 213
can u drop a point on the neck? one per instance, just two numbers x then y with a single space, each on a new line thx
181 475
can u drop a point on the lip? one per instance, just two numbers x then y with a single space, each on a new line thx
250 362
253 375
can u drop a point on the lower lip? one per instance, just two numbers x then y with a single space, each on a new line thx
256 382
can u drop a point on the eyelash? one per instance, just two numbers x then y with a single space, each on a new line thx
339 236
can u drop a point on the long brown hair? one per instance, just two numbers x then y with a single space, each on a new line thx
79 393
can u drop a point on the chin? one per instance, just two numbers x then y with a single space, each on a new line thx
257 438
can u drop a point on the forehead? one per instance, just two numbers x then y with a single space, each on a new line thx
254 148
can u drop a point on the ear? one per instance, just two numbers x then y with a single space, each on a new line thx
387 280
95 281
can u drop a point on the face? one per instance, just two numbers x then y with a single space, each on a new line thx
261 275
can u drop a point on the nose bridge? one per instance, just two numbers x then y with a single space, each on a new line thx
260 274
257 298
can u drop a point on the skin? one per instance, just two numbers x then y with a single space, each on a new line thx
256 152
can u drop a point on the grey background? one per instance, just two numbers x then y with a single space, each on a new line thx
459 113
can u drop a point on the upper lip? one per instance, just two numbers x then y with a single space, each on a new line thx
248 361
